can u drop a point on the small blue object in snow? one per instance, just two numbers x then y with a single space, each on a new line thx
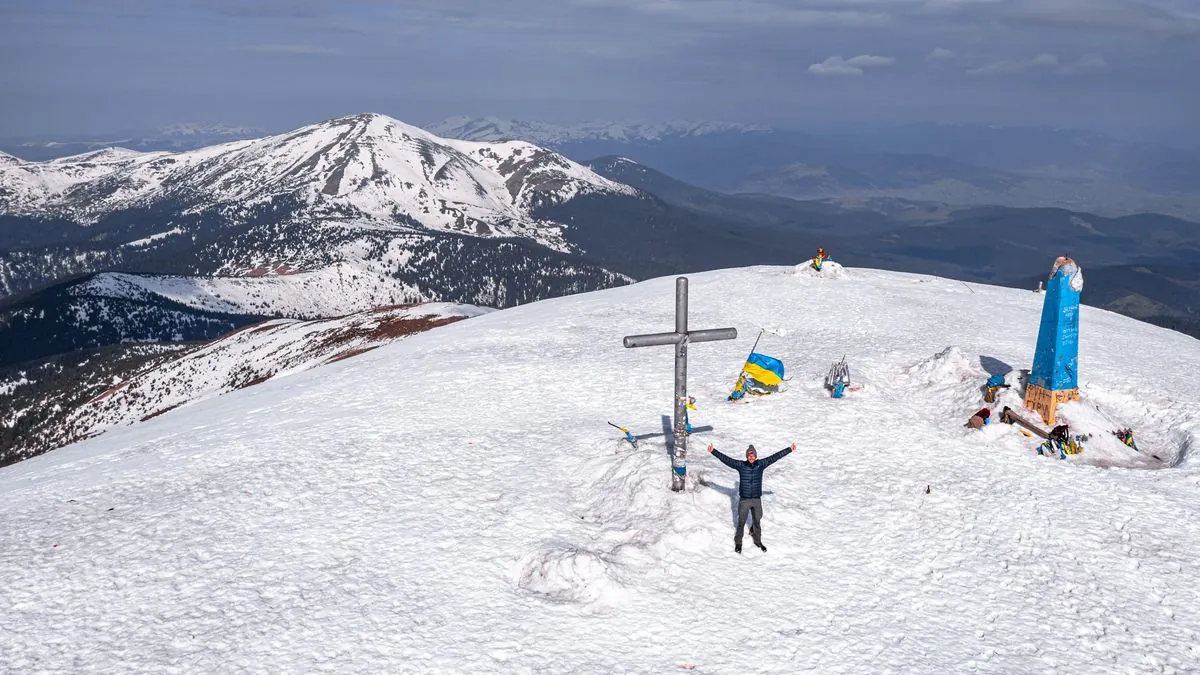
995 381
838 389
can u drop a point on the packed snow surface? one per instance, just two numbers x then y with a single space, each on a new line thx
456 502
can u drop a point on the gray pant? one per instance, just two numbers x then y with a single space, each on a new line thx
747 507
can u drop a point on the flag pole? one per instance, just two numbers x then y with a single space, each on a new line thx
747 359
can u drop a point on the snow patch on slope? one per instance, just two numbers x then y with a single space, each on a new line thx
340 289
153 238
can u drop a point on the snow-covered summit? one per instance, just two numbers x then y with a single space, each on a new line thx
495 129
457 502
362 168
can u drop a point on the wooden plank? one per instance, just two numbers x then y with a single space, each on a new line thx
1017 419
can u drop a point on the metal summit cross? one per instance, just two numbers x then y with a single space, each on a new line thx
680 338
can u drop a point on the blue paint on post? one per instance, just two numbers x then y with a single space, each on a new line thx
1056 358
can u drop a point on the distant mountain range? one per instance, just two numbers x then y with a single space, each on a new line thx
966 165
174 138
961 164
492 129
1146 266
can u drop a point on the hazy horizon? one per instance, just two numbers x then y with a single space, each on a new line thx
1127 68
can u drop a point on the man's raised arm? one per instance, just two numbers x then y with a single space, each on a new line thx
778 456
725 459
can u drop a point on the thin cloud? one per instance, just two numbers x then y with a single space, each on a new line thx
822 13
1163 19
1085 63
290 49
854 66
1006 67
940 54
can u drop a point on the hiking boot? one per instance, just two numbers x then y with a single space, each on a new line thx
737 548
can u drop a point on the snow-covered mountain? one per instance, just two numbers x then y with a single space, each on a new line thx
364 169
250 356
457 220
456 502
493 129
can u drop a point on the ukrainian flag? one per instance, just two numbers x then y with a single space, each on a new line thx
766 370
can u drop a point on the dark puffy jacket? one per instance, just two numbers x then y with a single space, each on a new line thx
750 475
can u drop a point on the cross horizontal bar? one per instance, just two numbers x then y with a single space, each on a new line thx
658 339
652 340
712 334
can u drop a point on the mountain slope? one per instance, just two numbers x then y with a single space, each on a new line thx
334 291
68 398
456 502
83 314
36 397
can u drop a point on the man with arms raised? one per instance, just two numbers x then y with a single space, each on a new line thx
750 473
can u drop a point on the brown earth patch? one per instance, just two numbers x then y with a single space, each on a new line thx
160 412
351 353
109 392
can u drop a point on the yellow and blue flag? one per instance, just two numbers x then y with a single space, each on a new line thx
765 369
760 375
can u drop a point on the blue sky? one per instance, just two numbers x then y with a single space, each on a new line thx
1130 67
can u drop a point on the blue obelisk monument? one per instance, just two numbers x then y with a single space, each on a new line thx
1054 378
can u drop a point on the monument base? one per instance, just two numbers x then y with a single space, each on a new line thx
1045 402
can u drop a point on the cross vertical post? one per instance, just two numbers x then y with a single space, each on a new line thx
680 339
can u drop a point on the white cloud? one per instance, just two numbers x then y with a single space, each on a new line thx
855 65
868 61
835 68
1006 67
1085 62
940 54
